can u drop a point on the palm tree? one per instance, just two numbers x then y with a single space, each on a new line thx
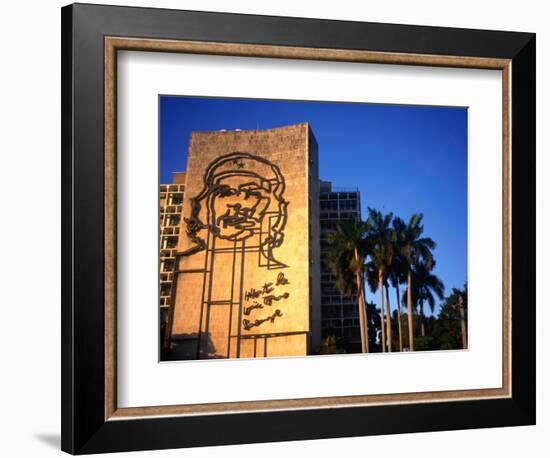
425 285
398 271
412 248
381 241
371 274
346 260
398 275
388 314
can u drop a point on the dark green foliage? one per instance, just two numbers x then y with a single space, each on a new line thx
424 343
373 315
345 241
380 240
331 345
425 285
447 327
385 249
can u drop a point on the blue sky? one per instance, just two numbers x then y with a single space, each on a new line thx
404 159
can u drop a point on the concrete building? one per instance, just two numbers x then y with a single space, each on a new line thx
340 315
170 209
246 273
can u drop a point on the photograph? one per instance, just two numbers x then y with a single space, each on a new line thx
271 220
292 228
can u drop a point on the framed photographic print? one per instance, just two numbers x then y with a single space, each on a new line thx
281 228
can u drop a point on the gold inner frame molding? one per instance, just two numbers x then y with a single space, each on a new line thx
114 44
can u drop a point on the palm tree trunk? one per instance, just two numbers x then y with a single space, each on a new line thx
400 332
422 327
364 330
462 323
381 288
363 323
410 311
388 322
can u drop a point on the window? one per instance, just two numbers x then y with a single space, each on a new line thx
177 199
165 289
329 205
174 220
171 242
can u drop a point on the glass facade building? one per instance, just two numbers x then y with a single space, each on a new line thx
339 314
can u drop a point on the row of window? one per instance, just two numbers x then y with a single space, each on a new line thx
338 195
169 230
172 187
167 266
335 205
329 224
332 323
338 300
170 220
169 241
170 209
173 198
167 277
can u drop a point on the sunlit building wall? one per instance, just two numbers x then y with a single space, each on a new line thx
247 265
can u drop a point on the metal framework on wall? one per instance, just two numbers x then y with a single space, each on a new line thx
249 219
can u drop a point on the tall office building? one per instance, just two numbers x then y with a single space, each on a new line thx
170 209
246 273
340 314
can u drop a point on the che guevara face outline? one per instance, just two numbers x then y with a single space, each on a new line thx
236 198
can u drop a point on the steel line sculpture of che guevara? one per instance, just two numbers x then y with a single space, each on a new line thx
240 209
237 209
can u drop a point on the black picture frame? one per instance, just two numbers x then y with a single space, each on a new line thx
84 428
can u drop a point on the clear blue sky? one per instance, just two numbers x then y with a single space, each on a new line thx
403 159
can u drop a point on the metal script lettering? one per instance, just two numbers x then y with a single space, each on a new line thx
268 300
255 305
247 324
